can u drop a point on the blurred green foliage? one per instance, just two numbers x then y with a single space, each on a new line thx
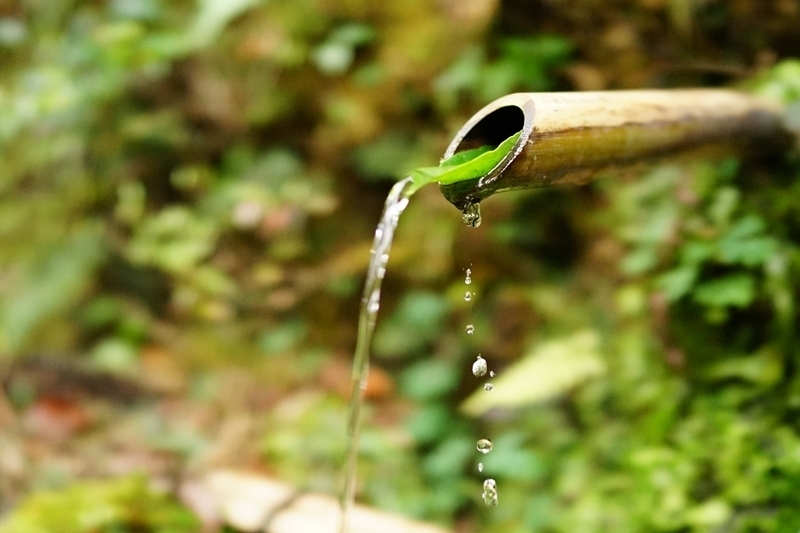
206 176
113 506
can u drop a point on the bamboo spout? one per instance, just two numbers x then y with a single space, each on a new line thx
572 137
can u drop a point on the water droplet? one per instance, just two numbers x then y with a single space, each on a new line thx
471 214
479 367
490 493
467 296
468 279
470 329
480 467
491 374
485 445
374 302
488 387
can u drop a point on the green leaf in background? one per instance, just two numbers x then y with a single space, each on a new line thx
511 460
763 368
337 53
176 239
212 17
550 370
746 244
430 423
678 282
736 290
283 337
780 83
428 379
420 312
51 285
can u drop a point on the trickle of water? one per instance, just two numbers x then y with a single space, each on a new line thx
484 445
467 296
471 214
480 467
490 493
395 204
479 367
488 387
470 329
468 279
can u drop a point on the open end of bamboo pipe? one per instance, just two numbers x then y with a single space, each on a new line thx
573 137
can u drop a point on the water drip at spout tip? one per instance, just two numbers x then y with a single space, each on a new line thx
471 214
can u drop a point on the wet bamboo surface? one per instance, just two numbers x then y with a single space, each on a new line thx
574 137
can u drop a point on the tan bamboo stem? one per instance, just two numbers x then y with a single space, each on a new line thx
572 137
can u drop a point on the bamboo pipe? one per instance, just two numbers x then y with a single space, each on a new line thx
572 137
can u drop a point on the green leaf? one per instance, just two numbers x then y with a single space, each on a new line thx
736 290
430 423
550 370
420 312
640 260
428 380
764 368
465 156
57 282
511 460
678 282
695 252
213 17
471 164
748 252
283 338
449 458
745 244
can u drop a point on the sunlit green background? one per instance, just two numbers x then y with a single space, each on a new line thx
188 191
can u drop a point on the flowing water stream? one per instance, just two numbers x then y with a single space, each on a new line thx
395 204
465 165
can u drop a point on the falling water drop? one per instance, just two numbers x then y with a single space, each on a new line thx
484 445
488 387
480 467
470 329
467 296
490 493
374 302
479 367
468 279
491 373
471 214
